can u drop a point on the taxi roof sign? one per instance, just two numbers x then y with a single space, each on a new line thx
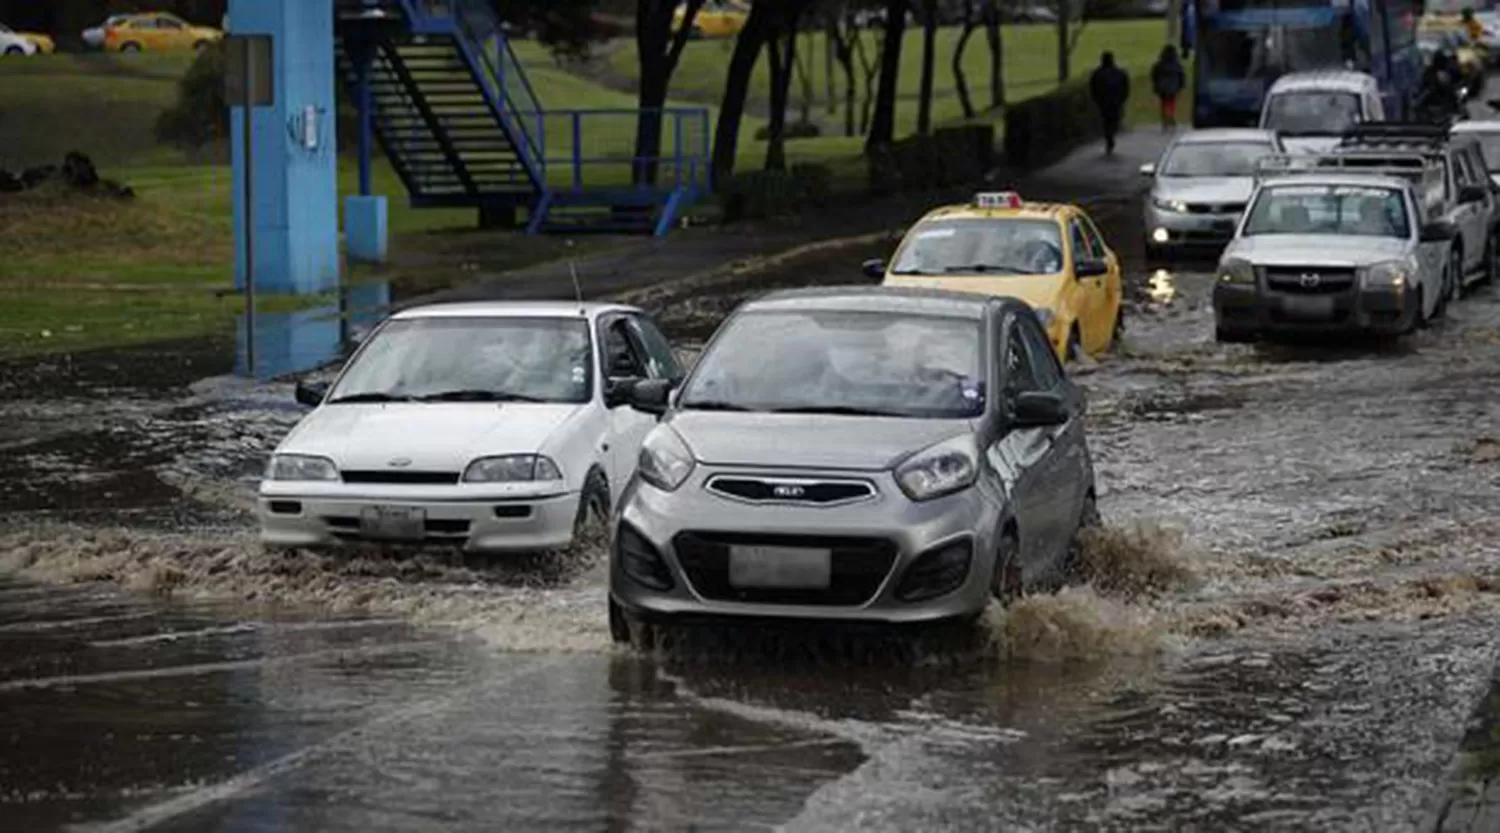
998 199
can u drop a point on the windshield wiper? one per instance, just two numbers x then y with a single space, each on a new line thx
839 410
477 395
991 267
372 396
713 405
914 272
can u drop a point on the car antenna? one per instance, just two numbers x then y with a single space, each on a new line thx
573 273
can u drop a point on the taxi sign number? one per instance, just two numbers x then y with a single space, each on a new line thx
1001 199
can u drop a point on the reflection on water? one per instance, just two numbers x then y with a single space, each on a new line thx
292 342
1162 286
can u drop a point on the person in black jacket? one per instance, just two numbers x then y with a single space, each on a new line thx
1167 79
1110 88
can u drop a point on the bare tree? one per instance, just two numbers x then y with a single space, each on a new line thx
992 34
658 50
841 28
747 46
781 52
929 59
870 62
883 123
960 81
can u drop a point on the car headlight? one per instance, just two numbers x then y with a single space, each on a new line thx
301 467
948 467
1391 274
1236 271
512 468
1176 206
665 460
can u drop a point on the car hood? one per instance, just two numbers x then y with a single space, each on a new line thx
808 440
1204 189
1309 144
434 436
1316 249
1036 290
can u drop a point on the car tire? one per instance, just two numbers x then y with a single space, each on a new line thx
619 624
593 510
130 47
1224 336
1419 317
1452 279
15 51
1491 265
1006 582
1117 335
1073 569
1075 345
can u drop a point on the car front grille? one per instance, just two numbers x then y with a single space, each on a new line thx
1310 280
347 528
859 566
1216 208
793 491
425 478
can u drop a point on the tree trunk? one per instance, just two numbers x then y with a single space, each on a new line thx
961 81
659 49
1064 50
842 50
747 46
803 64
883 124
997 53
870 67
929 66
783 65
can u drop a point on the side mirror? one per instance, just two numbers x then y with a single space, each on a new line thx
1148 169
311 395
874 268
650 396
1037 409
617 391
1472 193
1090 268
1439 231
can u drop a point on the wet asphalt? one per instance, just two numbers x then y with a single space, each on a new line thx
1293 631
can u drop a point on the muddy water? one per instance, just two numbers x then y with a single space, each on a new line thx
1288 624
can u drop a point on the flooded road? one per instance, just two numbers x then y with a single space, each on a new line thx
1289 625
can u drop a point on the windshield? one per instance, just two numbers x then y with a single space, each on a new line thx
859 363
472 359
1215 159
1311 112
1269 52
982 246
1328 209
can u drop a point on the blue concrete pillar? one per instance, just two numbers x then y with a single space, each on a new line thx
295 165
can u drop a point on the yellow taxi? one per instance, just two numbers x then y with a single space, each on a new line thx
716 19
1050 256
157 31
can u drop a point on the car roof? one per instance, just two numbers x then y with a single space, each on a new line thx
1027 211
513 309
1321 178
1225 134
892 299
1324 79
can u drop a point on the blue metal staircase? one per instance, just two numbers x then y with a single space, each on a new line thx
440 88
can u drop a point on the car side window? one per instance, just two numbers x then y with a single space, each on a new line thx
660 358
622 359
1044 365
167 23
1081 249
1020 375
1096 240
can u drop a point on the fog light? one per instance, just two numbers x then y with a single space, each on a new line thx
1160 236
937 572
640 561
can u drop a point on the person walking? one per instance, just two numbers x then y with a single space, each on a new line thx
1110 88
1167 79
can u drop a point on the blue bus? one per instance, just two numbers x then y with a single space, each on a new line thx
1242 46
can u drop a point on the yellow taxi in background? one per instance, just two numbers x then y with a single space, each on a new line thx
1050 256
157 31
716 19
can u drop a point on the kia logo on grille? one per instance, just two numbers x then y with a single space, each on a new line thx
786 490
1310 279
401 462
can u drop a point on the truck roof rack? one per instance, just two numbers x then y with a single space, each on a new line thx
1395 133
1427 172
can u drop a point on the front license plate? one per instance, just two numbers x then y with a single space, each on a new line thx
1303 307
780 567
393 523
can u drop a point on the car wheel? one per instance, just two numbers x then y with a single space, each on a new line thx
14 50
1073 568
199 46
593 511
1491 266
1419 316
1118 335
1006 584
1075 345
619 624
130 47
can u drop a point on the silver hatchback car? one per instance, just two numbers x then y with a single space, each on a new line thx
863 454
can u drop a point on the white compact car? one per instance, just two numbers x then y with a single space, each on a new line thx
13 44
488 426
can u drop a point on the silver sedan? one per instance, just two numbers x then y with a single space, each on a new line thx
1200 186
867 454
